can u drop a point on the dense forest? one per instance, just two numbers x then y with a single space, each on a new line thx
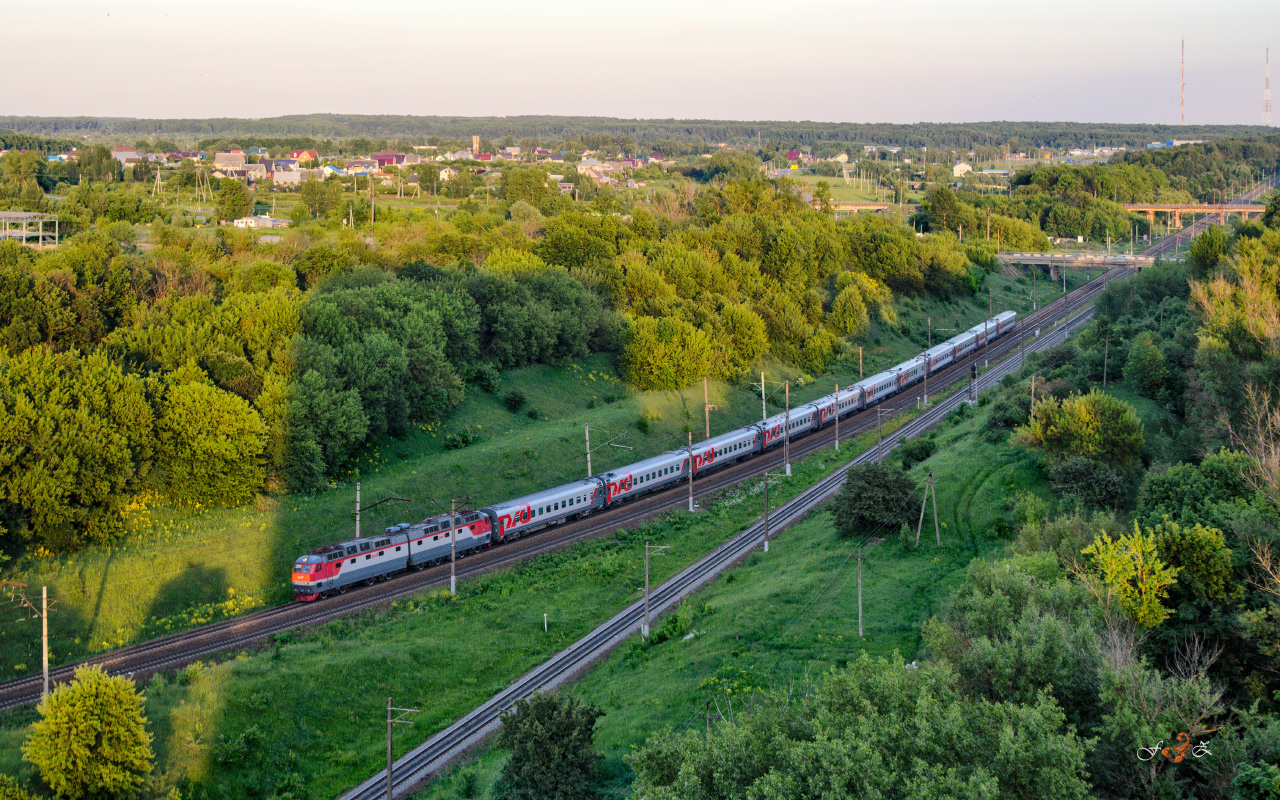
649 133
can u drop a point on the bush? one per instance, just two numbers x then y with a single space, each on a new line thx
533 413
642 425
459 440
91 739
514 400
915 451
551 739
486 377
874 497
1093 483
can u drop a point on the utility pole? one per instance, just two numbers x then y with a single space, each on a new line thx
837 418
648 548
879 439
1106 350
707 714
453 550
707 408
395 716
786 431
859 362
767 476
357 509
929 490
764 412
691 470
859 590
18 595
610 443
926 362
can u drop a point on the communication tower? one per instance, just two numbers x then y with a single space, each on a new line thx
1182 99
1266 92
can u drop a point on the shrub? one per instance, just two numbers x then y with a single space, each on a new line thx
533 413
1093 483
91 739
915 451
514 400
486 377
551 739
642 425
459 440
874 497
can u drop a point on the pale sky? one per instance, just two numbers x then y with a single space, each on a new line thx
924 61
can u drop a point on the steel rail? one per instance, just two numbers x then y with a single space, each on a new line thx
179 649
447 744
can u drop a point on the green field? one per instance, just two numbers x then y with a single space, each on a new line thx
781 620
307 711
181 568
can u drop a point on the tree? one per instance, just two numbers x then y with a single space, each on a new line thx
75 439
1096 426
211 444
874 497
665 353
551 739
1145 368
1208 249
234 200
91 740
873 729
1129 571
1271 217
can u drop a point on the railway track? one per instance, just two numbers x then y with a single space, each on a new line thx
177 650
1172 243
451 742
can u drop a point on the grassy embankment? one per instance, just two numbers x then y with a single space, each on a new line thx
780 620
182 567
306 713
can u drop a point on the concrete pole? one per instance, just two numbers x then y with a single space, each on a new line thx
357 509
587 429
764 412
389 726
837 418
706 406
859 591
691 470
644 628
44 637
453 551
766 511
786 431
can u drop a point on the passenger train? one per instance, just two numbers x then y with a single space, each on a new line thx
332 568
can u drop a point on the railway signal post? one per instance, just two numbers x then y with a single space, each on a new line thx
395 716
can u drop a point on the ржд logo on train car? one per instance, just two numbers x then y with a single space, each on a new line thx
704 458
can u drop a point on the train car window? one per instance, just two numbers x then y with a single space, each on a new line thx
353 561
351 550
364 546
366 558
397 549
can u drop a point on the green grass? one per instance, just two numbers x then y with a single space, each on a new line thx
180 568
309 709
781 620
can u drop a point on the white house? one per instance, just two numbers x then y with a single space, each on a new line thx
960 170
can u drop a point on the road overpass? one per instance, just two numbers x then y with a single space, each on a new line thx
862 206
1174 211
